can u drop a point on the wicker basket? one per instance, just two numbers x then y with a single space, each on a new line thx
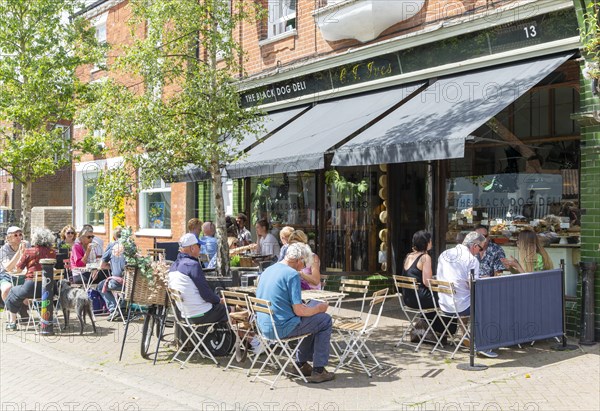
143 293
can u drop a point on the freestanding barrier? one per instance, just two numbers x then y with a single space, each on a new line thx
518 308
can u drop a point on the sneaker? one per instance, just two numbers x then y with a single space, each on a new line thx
11 326
489 354
324 376
466 343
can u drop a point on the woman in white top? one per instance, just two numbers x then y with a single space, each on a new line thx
267 244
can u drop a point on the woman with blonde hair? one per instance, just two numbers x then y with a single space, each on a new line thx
284 235
310 277
67 235
532 255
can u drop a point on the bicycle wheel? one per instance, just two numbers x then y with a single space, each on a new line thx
147 331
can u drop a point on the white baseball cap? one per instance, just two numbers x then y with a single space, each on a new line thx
189 239
13 229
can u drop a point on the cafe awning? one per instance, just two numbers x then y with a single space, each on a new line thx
434 124
301 145
271 123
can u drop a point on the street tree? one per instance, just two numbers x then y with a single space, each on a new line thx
40 49
172 100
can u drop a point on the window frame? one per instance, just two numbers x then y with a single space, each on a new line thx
143 213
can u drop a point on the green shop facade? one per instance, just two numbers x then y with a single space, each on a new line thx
440 131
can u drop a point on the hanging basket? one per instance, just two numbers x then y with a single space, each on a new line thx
141 291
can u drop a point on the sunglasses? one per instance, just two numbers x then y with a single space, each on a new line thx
70 232
90 236
18 234
480 247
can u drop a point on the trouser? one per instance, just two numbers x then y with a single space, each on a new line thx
111 302
316 346
19 293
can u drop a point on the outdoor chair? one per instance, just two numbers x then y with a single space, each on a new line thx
280 351
413 315
195 333
155 253
355 335
349 286
240 321
445 287
35 302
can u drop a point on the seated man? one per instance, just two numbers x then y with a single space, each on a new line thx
115 259
208 242
280 284
201 304
490 259
454 266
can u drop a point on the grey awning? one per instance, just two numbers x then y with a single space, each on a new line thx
271 122
302 143
434 124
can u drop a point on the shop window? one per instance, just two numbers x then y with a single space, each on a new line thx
286 199
282 17
155 206
352 209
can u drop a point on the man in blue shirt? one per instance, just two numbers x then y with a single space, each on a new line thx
208 241
280 284
113 259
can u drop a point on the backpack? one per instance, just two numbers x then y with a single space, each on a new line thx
98 303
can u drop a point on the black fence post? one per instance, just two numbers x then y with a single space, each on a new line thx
563 346
471 366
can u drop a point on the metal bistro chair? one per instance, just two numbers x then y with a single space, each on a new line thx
349 286
357 334
280 351
414 315
195 333
445 287
35 302
240 321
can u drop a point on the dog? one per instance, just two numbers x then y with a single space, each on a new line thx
77 299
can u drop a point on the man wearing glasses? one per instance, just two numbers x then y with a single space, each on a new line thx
10 253
454 266
490 260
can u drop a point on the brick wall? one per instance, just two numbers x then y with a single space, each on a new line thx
52 218
53 190
308 42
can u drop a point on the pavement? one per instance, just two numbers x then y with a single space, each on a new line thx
72 372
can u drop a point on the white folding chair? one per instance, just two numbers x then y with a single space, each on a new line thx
239 319
34 304
195 333
356 335
348 286
277 347
414 315
445 287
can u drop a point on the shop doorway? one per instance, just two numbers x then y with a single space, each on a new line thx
408 205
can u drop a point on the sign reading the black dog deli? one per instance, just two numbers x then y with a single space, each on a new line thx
523 33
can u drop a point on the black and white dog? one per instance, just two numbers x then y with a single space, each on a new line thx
77 299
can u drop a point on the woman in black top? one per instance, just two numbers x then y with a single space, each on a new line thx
417 264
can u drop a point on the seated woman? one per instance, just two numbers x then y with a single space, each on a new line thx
82 254
42 241
284 236
67 238
532 255
417 264
267 244
310 277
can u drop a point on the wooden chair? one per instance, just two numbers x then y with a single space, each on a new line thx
349 286
155 253
445 287
35 302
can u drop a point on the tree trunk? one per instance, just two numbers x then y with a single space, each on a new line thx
26 208
222 245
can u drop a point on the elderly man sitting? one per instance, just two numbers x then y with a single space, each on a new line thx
202 305
280 284
454 266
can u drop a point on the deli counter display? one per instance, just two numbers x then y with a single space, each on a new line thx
508 203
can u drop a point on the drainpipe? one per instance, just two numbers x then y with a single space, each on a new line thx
429 198
588 269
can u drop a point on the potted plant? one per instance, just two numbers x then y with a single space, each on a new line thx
590 38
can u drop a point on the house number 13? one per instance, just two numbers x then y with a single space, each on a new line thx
530 31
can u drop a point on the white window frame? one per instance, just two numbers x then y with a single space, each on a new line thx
142 213
280 14
66 136
83 172
99 23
